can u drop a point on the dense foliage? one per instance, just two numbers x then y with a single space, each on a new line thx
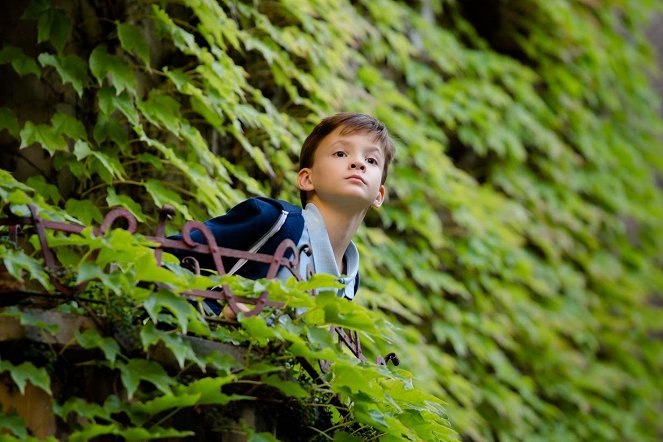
518 251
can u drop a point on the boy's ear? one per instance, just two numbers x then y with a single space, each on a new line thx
380 198
304 181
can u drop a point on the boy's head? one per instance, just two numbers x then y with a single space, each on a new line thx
348 123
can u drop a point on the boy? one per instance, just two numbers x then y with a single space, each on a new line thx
343 166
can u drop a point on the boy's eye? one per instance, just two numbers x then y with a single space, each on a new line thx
372 161
340 153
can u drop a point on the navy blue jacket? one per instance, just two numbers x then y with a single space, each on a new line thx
249 225
258 225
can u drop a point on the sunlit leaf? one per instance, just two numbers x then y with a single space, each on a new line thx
160 108
114 199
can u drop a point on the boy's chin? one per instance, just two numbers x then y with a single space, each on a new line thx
354 202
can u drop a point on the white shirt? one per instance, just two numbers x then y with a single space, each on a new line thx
322 259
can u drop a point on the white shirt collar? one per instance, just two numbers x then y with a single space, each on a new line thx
323 254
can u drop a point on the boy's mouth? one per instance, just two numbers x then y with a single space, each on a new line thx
355 177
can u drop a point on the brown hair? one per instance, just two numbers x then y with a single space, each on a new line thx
350 122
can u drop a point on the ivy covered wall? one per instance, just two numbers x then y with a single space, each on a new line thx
519 251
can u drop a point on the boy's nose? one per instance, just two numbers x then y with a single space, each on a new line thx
358 165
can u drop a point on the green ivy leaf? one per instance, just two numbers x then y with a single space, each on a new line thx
36 8
109 101
26 372
8 121
181 349
16 261
261 437
177 305
137 370
258 329
206 110
162 109
91 431
88 410
54 27
179 78
107 166
72 69
109 128
21 63
292 389
140 434
133 40
113 200
7 181
120 74
147 270
18 201
49 191
342 436
81 150
141 412
52 24
64 124
344 314
221 362
92 339
308 349
14 423
163 196
30 319
44 135
209 390
84 210
152 160
89 271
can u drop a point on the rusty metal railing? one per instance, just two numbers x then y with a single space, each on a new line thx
287 255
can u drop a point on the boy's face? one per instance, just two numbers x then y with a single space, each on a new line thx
347 169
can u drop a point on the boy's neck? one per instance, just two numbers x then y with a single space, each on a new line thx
341 228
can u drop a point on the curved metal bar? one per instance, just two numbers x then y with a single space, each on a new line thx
41 233
46 251
165 213
279 257
278 260
213 248
114 215
189 226
191 263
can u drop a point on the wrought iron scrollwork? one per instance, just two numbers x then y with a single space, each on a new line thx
275 262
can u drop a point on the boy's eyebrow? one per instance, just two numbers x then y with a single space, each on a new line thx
376 149
372 148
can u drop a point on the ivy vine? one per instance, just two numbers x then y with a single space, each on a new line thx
516 264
